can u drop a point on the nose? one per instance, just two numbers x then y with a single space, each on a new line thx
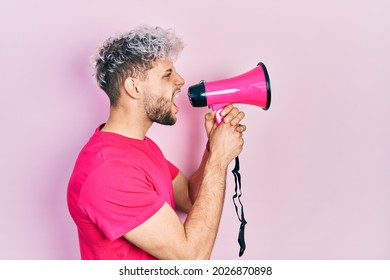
180 81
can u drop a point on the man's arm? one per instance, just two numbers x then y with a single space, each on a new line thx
163 235
181 191
186 191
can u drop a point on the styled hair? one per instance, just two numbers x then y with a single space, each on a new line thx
131 55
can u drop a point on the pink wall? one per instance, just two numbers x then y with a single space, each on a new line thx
316 180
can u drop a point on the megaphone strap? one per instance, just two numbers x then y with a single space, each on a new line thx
240 214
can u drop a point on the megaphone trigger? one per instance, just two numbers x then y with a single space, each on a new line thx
218 110
218 116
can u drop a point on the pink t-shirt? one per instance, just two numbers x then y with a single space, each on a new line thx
117 184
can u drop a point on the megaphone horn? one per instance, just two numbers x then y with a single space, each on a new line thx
252 87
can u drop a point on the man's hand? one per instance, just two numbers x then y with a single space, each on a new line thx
231 114
226 140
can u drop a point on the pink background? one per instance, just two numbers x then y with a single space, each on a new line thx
316 166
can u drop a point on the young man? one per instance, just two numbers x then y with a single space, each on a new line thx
123 193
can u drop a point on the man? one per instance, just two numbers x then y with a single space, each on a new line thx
123 193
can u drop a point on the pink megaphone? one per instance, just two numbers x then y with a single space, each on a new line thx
252 87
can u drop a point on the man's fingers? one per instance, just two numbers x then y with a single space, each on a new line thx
241 128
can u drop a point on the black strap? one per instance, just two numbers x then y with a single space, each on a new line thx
237 196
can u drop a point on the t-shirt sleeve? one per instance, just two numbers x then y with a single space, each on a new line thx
118 198
172 169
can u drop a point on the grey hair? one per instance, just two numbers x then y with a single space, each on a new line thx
132 54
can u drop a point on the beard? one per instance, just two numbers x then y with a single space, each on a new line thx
159 110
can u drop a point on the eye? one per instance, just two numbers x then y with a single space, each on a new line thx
168 73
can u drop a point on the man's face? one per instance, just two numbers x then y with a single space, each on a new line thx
161 86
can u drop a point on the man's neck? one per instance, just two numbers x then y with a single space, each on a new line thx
126 123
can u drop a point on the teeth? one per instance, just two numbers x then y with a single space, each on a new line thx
177 93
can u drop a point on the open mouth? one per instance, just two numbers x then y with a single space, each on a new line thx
175 96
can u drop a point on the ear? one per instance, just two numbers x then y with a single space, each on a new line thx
131 86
